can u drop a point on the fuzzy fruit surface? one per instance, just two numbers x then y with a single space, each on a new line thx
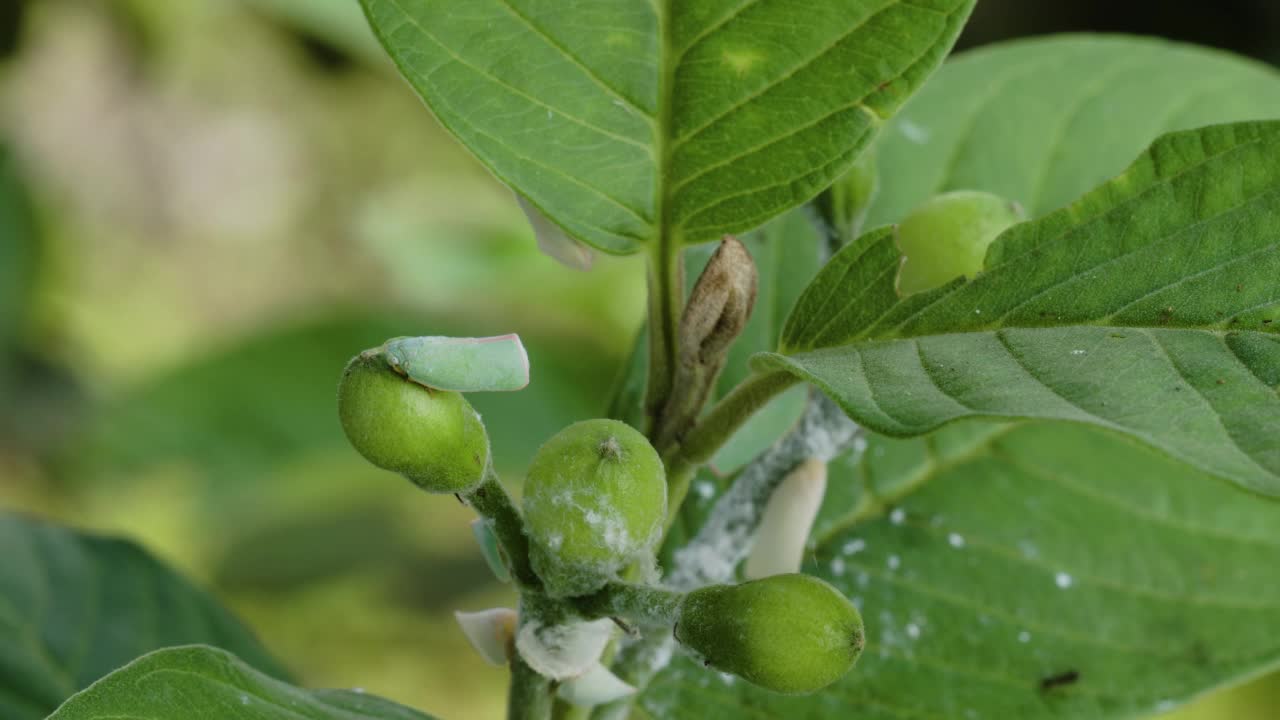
788 633
948 236
594 501
433 437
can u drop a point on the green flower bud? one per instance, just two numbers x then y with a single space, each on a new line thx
594 501
433 437
842 207
786 633
948 236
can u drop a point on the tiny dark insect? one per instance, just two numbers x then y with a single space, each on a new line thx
1069 677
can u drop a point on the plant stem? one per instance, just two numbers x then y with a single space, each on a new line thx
639 603
493 503
530 696
666 296
824 431
715 428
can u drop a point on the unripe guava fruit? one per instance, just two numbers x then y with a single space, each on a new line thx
433 437
948 236
594 501
787 633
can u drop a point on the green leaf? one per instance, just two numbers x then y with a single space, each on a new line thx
1146 307
1043 121
74 607
1006 556
625 122
198 682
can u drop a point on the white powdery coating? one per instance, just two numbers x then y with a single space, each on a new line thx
727 536
563 651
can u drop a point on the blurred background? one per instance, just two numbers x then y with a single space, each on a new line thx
211 205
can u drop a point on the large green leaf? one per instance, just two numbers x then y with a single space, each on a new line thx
1147 307
629 120
1005 557
202 683
1043 121
74 607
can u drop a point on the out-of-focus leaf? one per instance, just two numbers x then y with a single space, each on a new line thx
236 414
1027 571
198 682
74 607
336 21
19 257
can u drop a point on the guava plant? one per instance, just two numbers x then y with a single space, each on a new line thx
1035 306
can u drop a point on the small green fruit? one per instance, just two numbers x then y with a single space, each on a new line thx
787 633
594 501
433 437
948 235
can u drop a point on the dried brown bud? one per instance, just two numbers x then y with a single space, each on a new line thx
717 312
720 304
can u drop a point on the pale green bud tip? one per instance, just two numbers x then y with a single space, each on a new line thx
490 549
433 437
948 236
787 633
594 501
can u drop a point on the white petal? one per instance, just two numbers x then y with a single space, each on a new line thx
553 241
490 632
788 518
563 651
596 686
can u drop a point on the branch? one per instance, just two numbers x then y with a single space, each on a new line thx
724 540
715 428
666 296
491 501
